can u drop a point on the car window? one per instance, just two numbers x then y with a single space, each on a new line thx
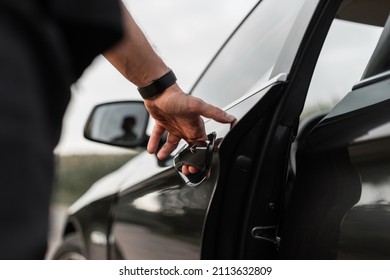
343 58
247 60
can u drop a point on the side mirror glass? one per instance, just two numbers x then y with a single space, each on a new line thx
119 123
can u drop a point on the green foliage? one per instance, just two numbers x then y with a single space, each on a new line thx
75 174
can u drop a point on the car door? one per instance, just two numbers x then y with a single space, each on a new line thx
339 202
165 217
245 213
339 205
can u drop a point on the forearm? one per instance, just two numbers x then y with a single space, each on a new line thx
134 57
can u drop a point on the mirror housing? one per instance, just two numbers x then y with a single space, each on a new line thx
120 124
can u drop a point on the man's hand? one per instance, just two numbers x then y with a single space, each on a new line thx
180 115
173 110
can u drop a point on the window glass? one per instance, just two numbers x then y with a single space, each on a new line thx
250 55
344 56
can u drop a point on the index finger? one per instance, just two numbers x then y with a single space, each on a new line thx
215 113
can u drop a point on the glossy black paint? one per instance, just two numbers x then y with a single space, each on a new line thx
93 224
160 219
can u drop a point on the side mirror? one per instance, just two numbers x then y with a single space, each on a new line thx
118 123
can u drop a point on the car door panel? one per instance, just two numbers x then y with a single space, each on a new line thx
161 218
228 216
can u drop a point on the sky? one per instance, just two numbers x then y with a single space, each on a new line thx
186 34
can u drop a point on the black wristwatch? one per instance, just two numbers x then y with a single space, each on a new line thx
158 86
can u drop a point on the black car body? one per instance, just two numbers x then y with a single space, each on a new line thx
303 174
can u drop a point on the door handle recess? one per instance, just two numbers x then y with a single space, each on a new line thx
200 156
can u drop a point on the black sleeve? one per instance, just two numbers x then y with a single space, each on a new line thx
89 27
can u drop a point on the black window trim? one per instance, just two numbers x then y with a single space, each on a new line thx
372 80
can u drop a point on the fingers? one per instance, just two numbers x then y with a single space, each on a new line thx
187 170
155 138
184 170
186 123
219 115
192 170
169 146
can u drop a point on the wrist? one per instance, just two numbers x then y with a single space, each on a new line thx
167 94
158 86
171 94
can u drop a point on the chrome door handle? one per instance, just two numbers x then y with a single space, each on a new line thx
200 156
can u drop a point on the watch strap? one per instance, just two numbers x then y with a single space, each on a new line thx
158 86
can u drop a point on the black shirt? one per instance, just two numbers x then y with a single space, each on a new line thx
85 28
65 35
